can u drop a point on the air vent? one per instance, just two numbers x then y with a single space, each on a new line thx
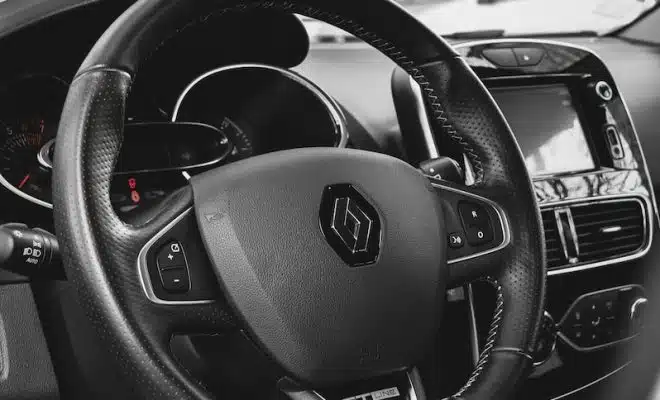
553 249
609 229
604 232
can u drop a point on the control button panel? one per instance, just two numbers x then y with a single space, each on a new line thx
600 319
478 228
173 268
475 225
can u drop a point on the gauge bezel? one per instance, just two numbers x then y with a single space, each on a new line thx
330 104
8 87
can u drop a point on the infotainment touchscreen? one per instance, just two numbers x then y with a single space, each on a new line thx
547 127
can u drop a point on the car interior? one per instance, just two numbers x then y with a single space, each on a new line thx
330 200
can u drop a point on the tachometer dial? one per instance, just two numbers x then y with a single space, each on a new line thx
29 113
20 145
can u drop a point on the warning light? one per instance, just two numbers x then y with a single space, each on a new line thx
135 196
132 183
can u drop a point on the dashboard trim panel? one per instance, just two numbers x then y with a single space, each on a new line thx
650 207
580 349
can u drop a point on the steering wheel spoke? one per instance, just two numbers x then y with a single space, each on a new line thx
477 229
173 269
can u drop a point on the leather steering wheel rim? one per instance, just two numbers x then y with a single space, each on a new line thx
99 249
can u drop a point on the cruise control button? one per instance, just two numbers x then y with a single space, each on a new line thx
456 240
479 235
171 255
175 280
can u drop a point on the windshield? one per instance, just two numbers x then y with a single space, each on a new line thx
509 17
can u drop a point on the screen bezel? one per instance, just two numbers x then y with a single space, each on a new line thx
575 85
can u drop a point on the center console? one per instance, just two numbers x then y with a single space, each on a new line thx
593 190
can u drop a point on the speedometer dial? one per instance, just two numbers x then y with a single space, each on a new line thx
242 145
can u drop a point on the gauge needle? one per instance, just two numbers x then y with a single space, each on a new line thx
24 181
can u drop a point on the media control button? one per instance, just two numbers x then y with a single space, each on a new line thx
604 91
171 255
175 280
456 240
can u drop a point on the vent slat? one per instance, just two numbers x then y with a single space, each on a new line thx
582 213
624 228
610 251
614 221
636 236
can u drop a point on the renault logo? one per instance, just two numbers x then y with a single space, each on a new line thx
350 224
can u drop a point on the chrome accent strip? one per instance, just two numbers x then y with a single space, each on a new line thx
420 108
588 385
574 346
611 229
571 226
143 269
513 350
42 155
469 171
472 323
554 342
333 108
560 230
412 393
504 222
645 204
635 304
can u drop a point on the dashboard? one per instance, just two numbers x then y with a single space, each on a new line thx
583 123
226 114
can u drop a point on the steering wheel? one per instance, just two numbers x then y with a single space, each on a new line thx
333 261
